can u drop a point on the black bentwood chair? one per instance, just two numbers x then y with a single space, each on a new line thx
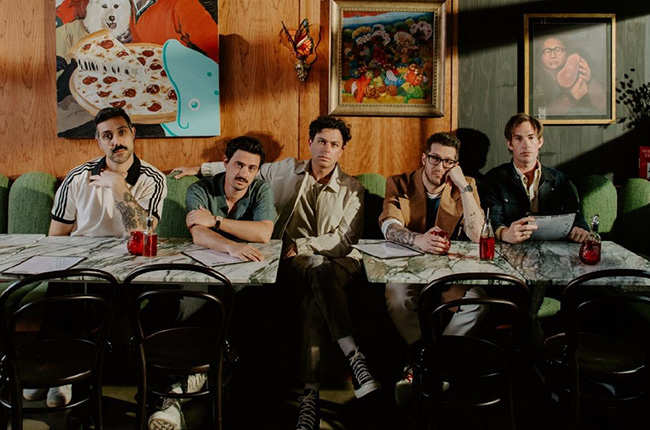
179 349
602 359
56 356
478 368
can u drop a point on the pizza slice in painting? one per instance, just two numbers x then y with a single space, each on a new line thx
129 76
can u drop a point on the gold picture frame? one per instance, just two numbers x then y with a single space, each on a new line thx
387 58
570 67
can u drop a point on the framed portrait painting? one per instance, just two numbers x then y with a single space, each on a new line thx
161 68
570 68
387 58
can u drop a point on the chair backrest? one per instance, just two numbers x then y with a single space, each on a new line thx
598 196
101 315
592 318
172 222
375 185
220 297
505 291
31 198
633 215
499 285
4 202
576 296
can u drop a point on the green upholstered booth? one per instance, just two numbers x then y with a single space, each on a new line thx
598 196
633 216
375 185
172 222
4 202
31 198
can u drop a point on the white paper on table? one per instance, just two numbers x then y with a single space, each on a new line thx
386 250
210 257
553 227
43 263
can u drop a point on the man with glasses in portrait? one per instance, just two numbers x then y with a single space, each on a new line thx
425 209
563 84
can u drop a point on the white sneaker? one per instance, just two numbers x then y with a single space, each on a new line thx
404 387
196 382
34 393
59 396
168 417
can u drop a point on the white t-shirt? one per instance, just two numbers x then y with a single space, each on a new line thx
92 209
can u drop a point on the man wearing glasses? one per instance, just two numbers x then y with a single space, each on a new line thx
423 209
563 83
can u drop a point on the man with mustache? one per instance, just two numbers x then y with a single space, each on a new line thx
233 207
111 195
107 196
224 213
320 217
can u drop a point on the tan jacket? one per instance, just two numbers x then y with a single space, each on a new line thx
406 201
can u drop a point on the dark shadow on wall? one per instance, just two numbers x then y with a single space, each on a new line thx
473 152
619 156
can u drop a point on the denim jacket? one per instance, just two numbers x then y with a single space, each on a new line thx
504 194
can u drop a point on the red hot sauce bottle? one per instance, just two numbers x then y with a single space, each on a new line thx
590 248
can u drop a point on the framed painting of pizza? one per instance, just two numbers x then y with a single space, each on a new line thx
162 70
387 58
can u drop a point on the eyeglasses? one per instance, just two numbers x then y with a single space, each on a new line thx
447 163
557 51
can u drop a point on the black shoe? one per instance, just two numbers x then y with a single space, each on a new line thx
309 417
362 380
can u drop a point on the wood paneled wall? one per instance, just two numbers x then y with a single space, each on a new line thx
260 95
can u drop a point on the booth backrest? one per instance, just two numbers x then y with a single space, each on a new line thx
634 216
31 198
4 202
375 185
598 196
172 223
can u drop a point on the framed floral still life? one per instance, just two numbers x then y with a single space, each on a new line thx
387 58
569 69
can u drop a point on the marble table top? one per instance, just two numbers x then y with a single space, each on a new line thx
13 243
557 263
110 254
463 257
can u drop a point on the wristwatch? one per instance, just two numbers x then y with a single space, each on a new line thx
468 188
217 222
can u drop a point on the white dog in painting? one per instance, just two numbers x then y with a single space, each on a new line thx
113 15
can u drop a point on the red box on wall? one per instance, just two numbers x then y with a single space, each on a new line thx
644 162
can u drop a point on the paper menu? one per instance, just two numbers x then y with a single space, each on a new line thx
553 227
386 250
43 263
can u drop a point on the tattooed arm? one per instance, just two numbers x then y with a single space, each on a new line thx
134 216
472 212
427 242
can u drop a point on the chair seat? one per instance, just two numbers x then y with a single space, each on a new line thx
55 362
470 365
598 353
465 357
184 349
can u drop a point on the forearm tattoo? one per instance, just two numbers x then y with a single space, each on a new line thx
133 216
398 234
471 222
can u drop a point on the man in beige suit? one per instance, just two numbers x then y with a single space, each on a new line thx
424 209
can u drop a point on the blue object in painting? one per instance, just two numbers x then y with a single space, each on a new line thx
195 78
